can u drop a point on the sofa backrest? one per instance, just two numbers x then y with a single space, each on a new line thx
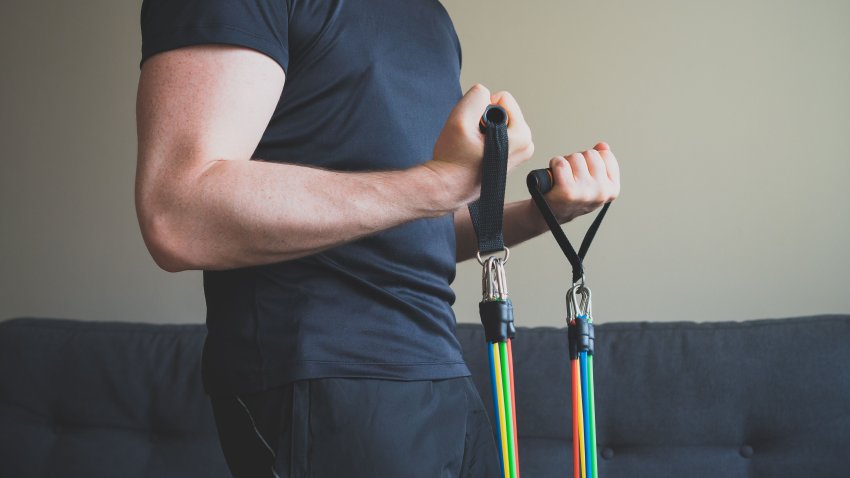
104 400
765 398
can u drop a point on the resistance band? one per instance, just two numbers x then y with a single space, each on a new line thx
495 307
579 327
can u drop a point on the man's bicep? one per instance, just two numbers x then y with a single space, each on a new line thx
202 103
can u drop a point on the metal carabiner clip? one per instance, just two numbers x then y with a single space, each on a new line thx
494 282
579 303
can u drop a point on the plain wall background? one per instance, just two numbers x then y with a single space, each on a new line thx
731 121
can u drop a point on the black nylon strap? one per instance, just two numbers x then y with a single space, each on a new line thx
487 212
539 182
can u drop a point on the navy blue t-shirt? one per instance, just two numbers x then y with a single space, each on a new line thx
369 84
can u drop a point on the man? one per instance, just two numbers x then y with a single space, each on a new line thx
327 216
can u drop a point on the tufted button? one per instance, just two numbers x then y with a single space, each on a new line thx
607 453
746 451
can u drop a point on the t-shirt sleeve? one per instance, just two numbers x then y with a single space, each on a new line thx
261 25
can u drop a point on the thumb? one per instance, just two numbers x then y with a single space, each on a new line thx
472 105
602 146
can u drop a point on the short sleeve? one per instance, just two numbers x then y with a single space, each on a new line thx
261 25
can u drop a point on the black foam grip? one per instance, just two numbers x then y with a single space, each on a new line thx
540 179
493 114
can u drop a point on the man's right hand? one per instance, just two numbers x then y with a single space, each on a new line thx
458 152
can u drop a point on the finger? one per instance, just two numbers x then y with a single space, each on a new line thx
611 165
602 146
516 120
579 166
562 173
509 103
518 130
472 105
595 164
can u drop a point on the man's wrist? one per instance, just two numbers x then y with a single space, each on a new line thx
443 187
533 221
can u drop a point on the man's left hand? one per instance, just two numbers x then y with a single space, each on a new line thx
583 182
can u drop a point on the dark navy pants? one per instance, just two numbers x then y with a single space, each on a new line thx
353 428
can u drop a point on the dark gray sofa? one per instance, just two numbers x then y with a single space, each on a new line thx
767 398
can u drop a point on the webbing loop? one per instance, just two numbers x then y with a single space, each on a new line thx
540 182
487 212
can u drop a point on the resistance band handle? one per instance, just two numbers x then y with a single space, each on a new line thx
493 115
540 179
488 211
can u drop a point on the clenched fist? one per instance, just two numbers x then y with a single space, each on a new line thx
583 182
458 152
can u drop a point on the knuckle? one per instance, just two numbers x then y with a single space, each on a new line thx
609 192
480 89
526 153
525 134
601 197
460 127
522 141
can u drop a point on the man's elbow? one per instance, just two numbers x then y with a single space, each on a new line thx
163 240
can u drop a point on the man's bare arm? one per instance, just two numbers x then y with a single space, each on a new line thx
201 112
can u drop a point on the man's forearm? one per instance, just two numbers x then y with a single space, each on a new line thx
522 221
243 213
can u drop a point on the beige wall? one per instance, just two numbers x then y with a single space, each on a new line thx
731 121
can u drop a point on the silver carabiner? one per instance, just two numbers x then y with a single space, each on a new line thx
579 302
488 283
501 279
494 283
